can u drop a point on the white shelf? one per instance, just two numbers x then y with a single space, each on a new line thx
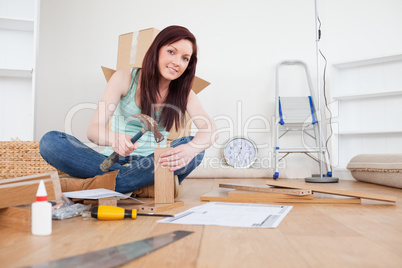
370 132
11 72
19 26
365 62
368 95
16 24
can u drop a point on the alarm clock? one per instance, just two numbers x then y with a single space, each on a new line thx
240 152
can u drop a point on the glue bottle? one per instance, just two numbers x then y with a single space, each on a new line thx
41 213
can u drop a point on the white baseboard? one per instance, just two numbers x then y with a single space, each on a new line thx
230 172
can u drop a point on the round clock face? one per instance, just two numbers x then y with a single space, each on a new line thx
240 152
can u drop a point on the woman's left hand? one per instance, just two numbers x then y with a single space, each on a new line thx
177 158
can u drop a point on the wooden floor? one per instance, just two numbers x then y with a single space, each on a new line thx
311 235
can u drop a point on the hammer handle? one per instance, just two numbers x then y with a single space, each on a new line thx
114 157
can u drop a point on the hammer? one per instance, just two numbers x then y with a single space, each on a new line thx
148 124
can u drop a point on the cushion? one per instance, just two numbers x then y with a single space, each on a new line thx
383 169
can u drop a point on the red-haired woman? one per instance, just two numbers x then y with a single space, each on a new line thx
160 89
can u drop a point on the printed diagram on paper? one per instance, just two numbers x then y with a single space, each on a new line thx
97 194
232 214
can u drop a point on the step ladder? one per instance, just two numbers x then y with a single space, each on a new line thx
298 114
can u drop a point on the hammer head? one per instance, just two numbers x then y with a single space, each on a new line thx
149 124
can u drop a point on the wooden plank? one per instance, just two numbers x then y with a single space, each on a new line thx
16 217
222 195
106 201
245 194
56 186
164 180
325 190
35 177
149 205
265 189
159 207
22 190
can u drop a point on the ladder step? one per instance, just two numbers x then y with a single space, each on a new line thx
299 150
297 122
296 128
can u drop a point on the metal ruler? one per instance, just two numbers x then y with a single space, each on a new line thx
116 256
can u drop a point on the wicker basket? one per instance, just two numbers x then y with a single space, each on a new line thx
21 158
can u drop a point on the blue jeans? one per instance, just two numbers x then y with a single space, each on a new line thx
69 155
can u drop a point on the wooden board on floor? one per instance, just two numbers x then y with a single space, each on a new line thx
16 217
164 180
320 189
265 189
105 201
154 207
248 194
149 205
226 195
22 190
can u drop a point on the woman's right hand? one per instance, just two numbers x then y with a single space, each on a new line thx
123 145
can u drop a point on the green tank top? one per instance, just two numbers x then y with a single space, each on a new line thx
123 122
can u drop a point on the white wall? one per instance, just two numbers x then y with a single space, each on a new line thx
17 43
240 42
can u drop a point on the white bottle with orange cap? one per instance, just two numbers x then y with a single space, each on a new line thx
41 213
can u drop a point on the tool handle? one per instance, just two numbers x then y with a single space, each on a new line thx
114 157
112 213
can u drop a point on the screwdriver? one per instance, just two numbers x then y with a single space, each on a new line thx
117 213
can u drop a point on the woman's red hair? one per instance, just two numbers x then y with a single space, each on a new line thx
179 89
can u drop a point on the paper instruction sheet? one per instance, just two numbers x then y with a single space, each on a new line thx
96 194
232 214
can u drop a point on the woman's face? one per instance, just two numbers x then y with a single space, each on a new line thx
174 59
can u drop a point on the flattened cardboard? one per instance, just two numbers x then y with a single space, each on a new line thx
107 72
125 60
144 41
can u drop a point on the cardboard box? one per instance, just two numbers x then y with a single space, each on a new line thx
132 49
